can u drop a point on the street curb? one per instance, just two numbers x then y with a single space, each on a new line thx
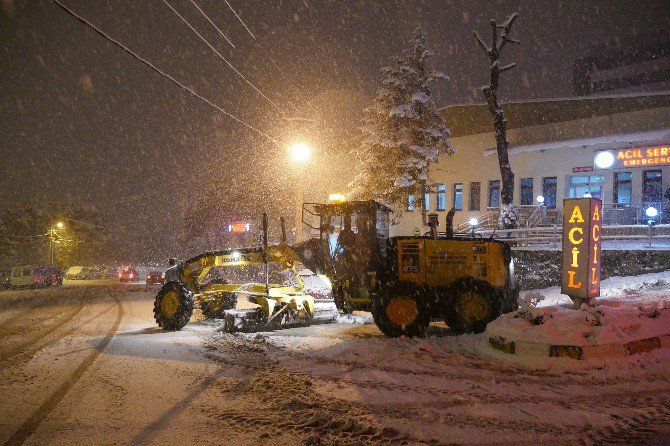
579 352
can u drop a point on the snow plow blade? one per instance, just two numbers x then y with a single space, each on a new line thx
325 311
252 320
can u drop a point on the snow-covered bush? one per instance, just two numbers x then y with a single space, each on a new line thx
593 315
509 217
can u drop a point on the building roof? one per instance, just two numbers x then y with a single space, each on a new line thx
472 119
623 141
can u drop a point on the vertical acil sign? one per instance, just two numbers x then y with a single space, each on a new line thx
582 224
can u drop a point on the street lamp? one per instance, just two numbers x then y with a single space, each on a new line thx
473 222
300 154
651 213
52 241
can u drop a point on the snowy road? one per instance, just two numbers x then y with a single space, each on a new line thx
96 370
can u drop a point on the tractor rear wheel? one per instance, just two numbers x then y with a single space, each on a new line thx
471 304
173 306
402 309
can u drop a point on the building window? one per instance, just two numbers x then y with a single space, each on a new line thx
494 193
623 187
526 191
652 186
458 196
426 199
585 185
475 193
549 185
441 197
410 203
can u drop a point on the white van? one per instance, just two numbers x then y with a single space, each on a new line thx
74 272
27 277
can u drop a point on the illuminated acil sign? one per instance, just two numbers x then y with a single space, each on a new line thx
635 157
239 227
582 225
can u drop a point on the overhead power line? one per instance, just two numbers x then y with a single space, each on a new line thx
214 25
240 19
223 58
162 73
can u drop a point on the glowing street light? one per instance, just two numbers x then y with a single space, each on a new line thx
651 212
540 200
60 225
300 152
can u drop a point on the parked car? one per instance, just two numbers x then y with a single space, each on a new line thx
52 275
128 275
74 272
155 277
5 278
27 277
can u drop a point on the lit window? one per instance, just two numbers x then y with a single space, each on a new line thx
458 196
441 197
494 193
410 203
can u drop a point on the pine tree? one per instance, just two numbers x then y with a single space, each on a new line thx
405 132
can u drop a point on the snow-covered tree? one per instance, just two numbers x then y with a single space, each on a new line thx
509 215
405 132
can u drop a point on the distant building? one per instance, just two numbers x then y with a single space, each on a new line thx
553 145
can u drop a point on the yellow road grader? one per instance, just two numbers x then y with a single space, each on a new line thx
406 282
265 275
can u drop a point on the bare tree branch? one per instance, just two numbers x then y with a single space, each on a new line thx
486 49
507 67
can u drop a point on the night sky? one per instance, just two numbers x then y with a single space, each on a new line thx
82 120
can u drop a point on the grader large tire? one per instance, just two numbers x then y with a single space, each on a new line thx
470 305
212 311
173 306
402 309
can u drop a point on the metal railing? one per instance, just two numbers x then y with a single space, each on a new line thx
634 214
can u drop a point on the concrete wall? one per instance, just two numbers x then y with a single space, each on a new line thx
471 164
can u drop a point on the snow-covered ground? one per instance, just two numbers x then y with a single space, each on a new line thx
629 309
100 372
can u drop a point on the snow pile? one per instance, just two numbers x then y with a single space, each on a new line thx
358 318
630 309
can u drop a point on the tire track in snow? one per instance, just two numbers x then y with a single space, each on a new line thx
291 405
633 430
32 423
9 321
10 327
26 354
41 335
613 399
